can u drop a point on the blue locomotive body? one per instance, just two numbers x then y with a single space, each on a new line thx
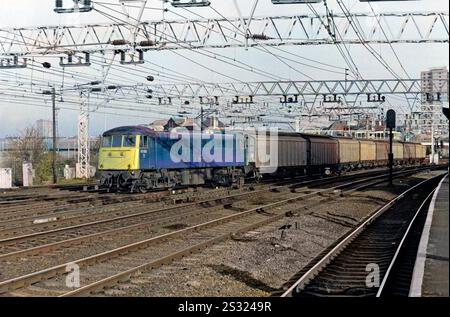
137 157
191 151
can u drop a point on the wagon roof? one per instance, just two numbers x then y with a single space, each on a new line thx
318 137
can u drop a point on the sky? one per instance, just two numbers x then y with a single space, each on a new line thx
16 115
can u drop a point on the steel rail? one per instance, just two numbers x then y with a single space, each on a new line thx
160 221
185 205
402 242
322 263
113 201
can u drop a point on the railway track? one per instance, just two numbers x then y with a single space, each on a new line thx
385 244
126 210
62 201
64 204
106 268
22 216
42 234
101 208
51 206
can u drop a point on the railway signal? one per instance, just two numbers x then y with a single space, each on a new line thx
390 124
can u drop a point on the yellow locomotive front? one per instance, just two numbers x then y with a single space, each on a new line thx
119 157
119 153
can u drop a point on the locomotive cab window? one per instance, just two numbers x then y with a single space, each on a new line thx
107 141
129 141
117 141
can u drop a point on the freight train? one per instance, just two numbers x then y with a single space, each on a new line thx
139 159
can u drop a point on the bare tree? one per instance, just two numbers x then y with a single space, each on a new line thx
28 146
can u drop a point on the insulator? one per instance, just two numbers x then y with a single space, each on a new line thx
59 3
191 3
260 37
295 1
119 42
146 43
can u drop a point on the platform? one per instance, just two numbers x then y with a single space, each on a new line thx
431 270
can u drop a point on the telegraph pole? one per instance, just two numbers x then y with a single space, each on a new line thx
52 92
55 178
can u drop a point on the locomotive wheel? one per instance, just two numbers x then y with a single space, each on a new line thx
145 185
143 189
257 178
107 182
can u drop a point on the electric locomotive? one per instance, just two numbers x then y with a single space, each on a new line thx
137 158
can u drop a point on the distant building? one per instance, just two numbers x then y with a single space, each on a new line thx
421 122
435 88
434 84
376 135
44 128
